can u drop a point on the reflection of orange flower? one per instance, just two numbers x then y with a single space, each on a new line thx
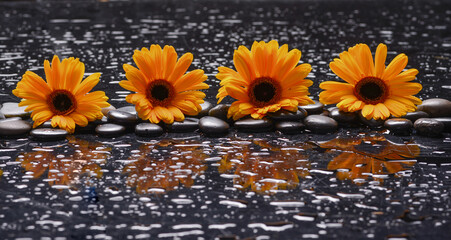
66 170
149 173
369 155
361 166
263 171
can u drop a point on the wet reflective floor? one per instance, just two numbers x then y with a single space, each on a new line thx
357 183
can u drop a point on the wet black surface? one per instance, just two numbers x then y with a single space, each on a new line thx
357 183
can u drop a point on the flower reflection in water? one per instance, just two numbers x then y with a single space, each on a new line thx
263 167
161 167
66 169
370 156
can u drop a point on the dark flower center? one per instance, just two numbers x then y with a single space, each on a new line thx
160 92
61 102
371 90
264 91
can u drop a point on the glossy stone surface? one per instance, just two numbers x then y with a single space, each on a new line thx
320 124
446 123
429 127
48 134
12 109
372 123
14 126
436 107
413 116
188 125
357 183
206 107
120 117
254 125
129 109
290 127
148 130
285 115
399 125
342 117
110 130
212 126
107 109
220 111
314 108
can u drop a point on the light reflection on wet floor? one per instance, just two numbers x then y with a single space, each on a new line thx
268 186
272 184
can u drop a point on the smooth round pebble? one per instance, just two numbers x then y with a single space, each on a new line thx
254 125
290 128
342 117
46 124
107 109
314 108
429 127
446 122
12 109
320 124
399 125
373 123
220 111
110 130
148 130
436 107
413 116
285 115
120 117
48 134
213 126
129 109
14 126
187 125
205 108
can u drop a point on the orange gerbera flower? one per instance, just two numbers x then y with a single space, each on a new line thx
163 90
64 98
267 79
371 87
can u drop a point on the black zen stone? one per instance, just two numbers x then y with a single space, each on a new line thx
254 125
342 117
46 124
187 125
373 123
12 109
129 109
436 107
285 115
220 111
212 126
413 116
446 122
399 125
290 128
14 126
120 117
107 109
314 108
320 124
110 130
206 106
429 127
48 134
148 130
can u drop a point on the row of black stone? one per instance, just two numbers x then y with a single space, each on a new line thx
432 119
